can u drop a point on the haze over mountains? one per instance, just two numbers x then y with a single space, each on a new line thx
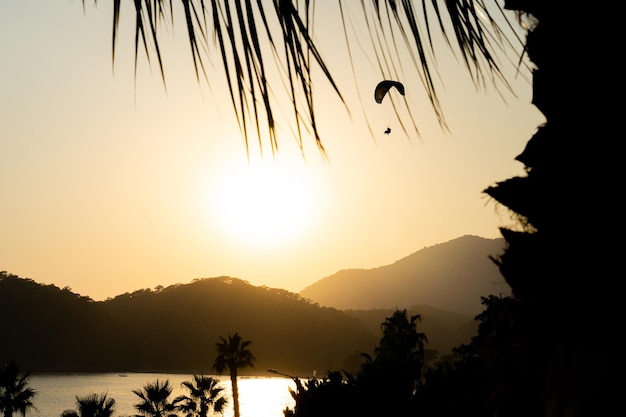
450 276
175 328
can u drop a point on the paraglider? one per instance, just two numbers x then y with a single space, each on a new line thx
381 90
384 86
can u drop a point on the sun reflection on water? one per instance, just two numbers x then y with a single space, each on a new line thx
258 397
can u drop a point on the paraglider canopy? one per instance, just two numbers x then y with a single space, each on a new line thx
384 86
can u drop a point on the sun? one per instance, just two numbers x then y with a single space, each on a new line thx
262 203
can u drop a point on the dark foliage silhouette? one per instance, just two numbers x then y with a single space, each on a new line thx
565 205
15 394
205 396
394 373
482 377
334 395
92 405
385 384
155 400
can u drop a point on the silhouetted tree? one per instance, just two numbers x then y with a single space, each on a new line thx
15 395
205 397
92 405
384 385
155 400
395 372
560 256
483 377
232 354
332 396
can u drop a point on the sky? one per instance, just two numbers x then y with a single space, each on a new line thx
112 183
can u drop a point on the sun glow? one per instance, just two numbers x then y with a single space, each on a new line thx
261 203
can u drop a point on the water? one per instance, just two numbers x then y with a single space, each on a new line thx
258 397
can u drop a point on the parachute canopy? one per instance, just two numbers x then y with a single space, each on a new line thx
384 86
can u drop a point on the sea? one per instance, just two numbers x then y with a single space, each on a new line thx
55 393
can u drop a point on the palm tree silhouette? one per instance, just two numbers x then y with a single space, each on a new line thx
15 395
233 354
398 362
92 405
155 400
205 396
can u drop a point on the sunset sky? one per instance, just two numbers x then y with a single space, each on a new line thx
110 186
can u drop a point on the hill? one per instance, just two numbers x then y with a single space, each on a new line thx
450 276
175 329
171 329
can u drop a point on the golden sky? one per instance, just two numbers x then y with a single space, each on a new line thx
109 186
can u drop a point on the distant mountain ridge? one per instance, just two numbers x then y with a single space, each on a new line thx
175 328
450 276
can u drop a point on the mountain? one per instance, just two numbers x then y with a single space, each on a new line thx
450 276
324 327
175 329
172 329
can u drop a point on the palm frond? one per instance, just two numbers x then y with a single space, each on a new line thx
245 35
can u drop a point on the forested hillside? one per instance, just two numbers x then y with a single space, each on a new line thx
172 329
175 329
